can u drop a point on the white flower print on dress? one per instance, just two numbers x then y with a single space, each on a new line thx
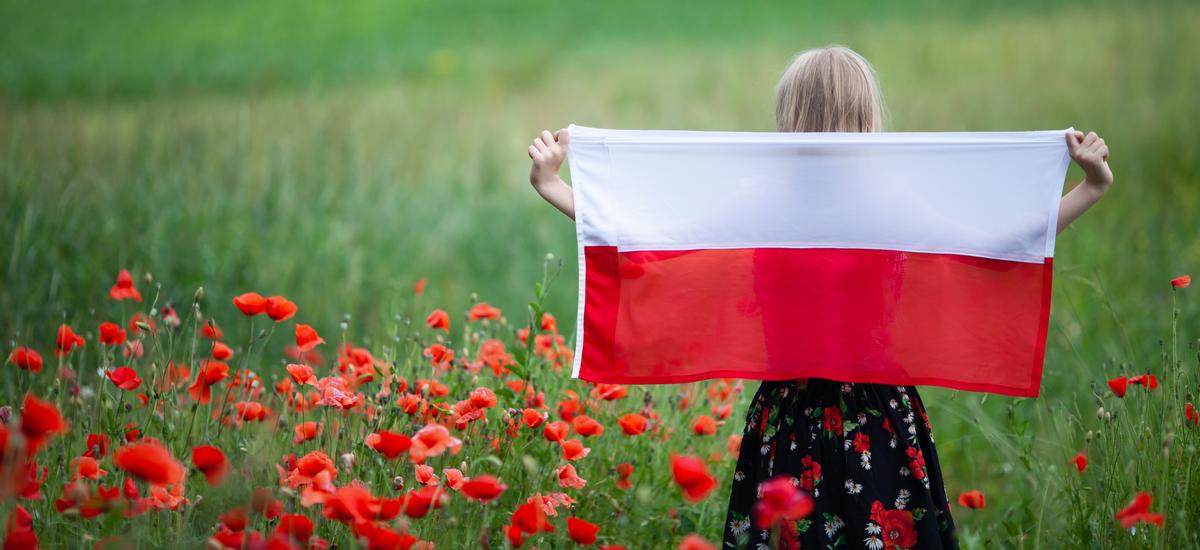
739 526
902 499
739 476
873 543
832 526
853 488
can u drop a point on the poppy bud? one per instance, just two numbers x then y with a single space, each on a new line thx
1089 437
1108 416
530 463
398 483
1100 413
199 295
549 256
348 460
149 278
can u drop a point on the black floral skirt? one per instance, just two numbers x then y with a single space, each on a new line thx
865 454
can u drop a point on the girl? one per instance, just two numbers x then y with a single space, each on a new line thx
877 485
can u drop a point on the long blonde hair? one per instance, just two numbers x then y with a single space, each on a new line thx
830 89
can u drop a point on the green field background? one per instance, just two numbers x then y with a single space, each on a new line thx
337 152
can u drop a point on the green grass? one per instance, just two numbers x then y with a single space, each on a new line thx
336 153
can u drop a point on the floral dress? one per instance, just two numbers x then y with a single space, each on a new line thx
864 452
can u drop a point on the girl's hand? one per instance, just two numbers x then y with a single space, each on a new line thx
548 152
1091 154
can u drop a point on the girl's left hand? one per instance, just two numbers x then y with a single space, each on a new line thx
1091 154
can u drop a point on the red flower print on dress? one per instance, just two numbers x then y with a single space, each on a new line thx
832 423
810 476
916 462
896 528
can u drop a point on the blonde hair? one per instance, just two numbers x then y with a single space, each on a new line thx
830 89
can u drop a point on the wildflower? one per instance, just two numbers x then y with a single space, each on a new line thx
704 425
295 526
691 474
124 378
1138 510
695 542
484 311
221 352
250 304
169 316
582 532
1118 385
97 445
1080 461
211 373
280 309
1181 281
971 499
210 330
781 501
573 449
569 478
555 431
532 417
425 475
124 289
87 467
632 424
531 518
1149 381
484 488
40 420
624 470
67 341
211 462
111 334
302 374
454 478
149 461
26 359
307 338
1189 413
586 426
433 440
307 431
438 320
549 323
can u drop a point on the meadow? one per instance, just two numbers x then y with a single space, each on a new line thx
337 154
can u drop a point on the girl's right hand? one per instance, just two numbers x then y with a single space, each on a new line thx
548 152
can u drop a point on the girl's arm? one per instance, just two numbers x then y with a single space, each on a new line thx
1091 154
548 152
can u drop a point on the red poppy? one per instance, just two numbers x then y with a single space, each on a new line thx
251 411
124 289
1118 385
438 320
780 501
555 431
1080 461
169 316
149 461
1138 510
210 330
573 449
19 533
40 420
532 417
695 542
1148 381
302 374
971 499
251 304
111 334
1181 281
67 340
97 445
531 518
484 311
87 467
1189 413
26 359
632 424
306 431
210 374
221 352
624 470
691 474
484 488
307 338
296 526
583 532
211 462
587 426
704 425
280 308
389 444
124 378
419 286
569 478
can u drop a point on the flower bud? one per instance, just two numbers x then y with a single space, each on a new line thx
199 295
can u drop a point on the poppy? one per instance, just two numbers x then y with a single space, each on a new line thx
87 467
169 316
306 431
211 462
971 499
210 330
250 304
586 426
569 478
1189 413
67 340
221 352
211 373
555 431
124 378
97 445
1149 381
531 518
26 359
624 470
573 449
111 334
691 474
1138 510
483 311
419 286
40 420
389 444
454 478
532 417
704 425
581 531
124 289
433 440
234 518
695 542
780 501
149 461
1118 385
251 411
280 309
438 320
296 526
549 323
1181 282
302 374
484 488
307 338
1080 461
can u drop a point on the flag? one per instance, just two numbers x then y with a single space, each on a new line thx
893 258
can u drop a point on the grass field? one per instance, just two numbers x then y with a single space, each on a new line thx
337 153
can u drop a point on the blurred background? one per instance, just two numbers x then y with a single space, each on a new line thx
336 152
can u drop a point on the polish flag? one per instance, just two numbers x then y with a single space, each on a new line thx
892 258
